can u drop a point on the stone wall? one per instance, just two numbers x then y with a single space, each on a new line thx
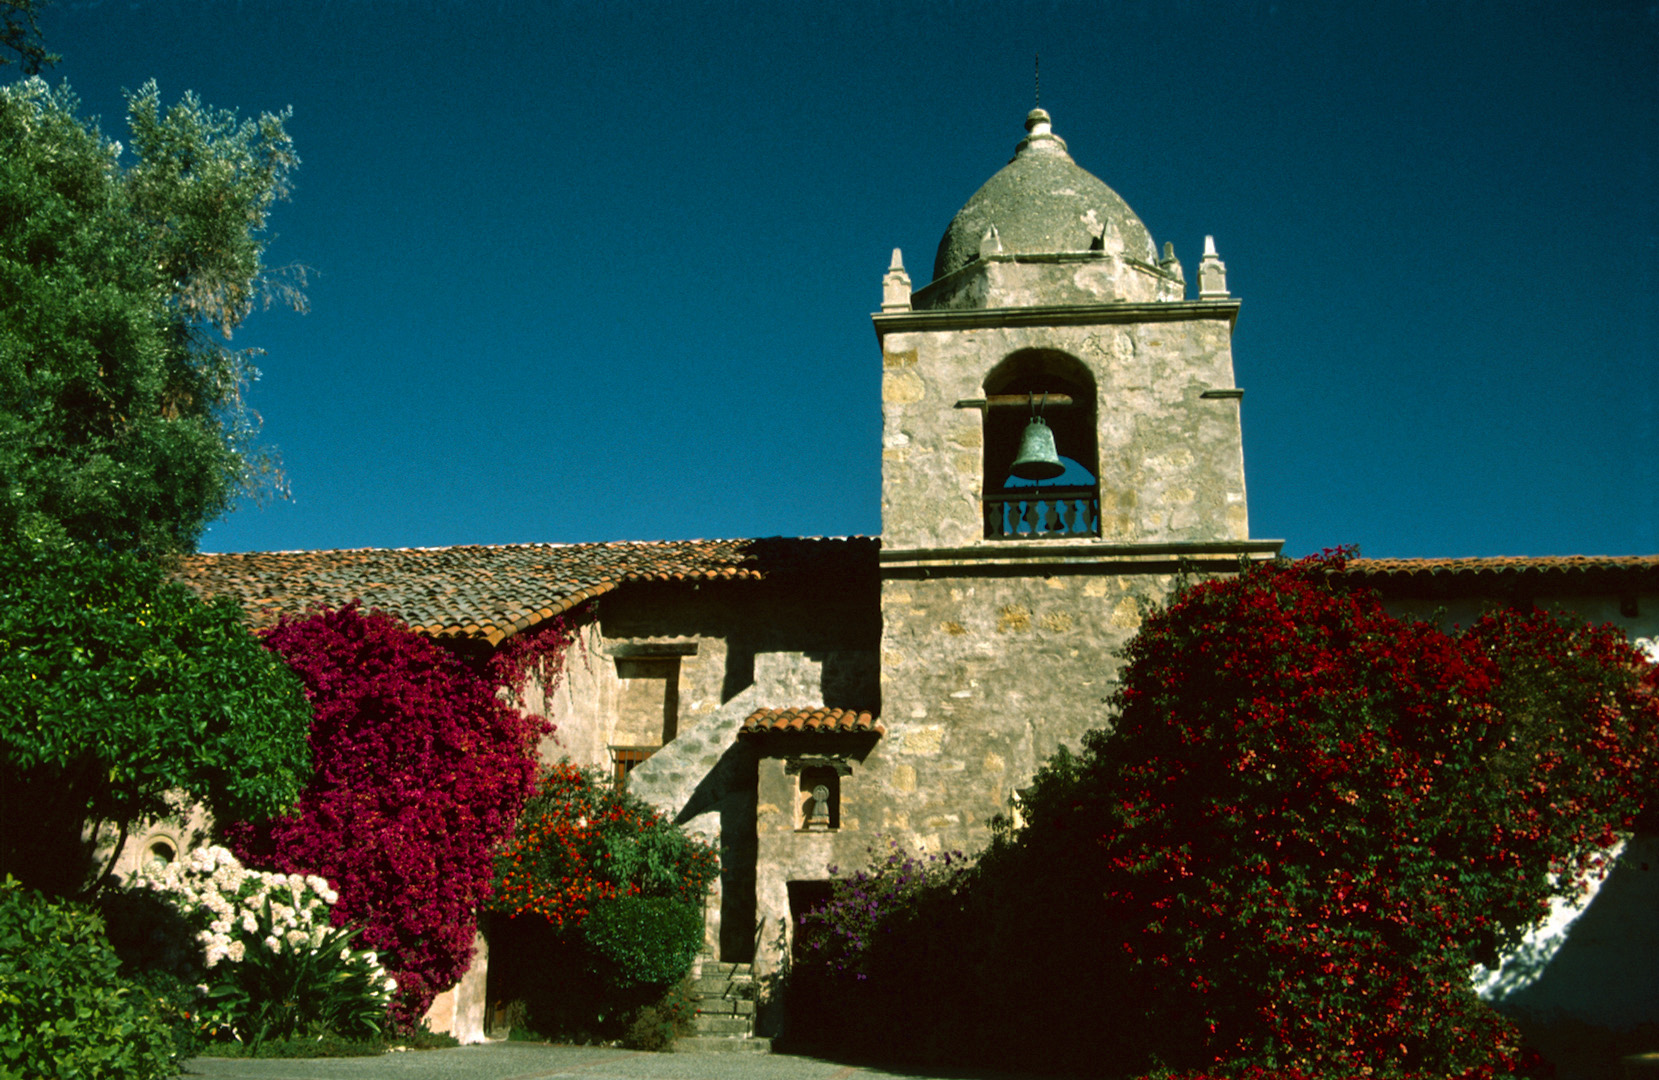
808 637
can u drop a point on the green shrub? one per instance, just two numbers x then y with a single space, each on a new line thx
64 1010
598 907
656 1026
329 1045
552 980
174 1002
644 940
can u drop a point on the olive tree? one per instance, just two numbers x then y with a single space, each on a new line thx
122 417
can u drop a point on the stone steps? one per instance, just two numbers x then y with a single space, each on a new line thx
722 1044
725 1018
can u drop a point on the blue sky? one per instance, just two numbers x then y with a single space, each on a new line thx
601 271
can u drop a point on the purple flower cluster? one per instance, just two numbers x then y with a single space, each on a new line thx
868 905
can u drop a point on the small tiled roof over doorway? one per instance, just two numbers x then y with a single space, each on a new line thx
811 720
490 592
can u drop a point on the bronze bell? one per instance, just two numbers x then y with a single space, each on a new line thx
1038 459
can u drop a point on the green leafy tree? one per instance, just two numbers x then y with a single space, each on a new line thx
118 692
122 417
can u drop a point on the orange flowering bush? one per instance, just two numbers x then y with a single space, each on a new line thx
581 840
599 905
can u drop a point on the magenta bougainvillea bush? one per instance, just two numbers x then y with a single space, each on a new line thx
419 773
1307 822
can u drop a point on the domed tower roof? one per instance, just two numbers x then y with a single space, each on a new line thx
1041 202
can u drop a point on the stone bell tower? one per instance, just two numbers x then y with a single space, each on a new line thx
1005 601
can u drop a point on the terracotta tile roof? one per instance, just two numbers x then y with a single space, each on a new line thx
1547 564
1474 574
809 720
492 592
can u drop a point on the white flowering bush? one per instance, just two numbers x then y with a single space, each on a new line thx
273 965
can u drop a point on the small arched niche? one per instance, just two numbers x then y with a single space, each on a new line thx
1061 391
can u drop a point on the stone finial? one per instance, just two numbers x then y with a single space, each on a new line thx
990 243
1039 134
1174 286
895 285
1212 273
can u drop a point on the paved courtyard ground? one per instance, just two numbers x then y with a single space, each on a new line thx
530 1061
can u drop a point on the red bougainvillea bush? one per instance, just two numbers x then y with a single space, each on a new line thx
419 773
1306 824
1311 818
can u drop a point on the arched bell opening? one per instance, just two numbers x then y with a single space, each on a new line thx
1041 455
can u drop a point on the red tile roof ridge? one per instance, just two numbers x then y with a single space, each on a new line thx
526 544
1498 562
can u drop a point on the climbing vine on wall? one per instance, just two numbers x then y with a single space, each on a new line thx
542 655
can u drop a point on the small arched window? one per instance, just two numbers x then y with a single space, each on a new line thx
1058 390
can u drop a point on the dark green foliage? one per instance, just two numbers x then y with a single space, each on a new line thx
569 987
122 421
599 907
551 981
330 1046
173 1001
644 940
656 1026
300 1046
119 691
150 935
64 1010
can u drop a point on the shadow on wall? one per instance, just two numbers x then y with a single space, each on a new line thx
834 678
729 788
1600 968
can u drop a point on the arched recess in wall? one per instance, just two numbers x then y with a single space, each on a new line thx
1069 504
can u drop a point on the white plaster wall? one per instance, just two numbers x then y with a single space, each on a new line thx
1596 961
